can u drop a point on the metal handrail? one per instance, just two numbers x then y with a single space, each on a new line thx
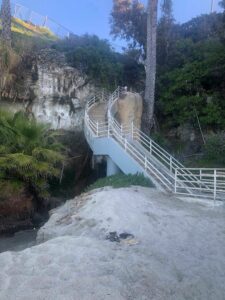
156 151
213 178
174 176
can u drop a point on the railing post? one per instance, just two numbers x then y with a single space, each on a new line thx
146 161
121 129
215 183
150 147
171 164
132 130
108 129
45 21
87 119
97 129
175 184
125 144
200 178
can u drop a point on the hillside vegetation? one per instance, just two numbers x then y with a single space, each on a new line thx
190 87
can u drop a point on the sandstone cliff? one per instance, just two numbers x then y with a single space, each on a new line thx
48 89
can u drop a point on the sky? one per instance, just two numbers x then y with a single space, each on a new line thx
92 16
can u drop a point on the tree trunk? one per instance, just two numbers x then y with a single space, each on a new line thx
150 65
6 21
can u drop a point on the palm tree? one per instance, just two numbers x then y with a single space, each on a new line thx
212 5
152 11
29 152
6 21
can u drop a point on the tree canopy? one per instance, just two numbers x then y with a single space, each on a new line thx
103 65
190 62
128 21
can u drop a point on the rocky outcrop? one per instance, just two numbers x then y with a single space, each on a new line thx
49 90
129 243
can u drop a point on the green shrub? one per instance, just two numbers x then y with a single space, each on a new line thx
121 180
10 189
29 153
214 150
96 58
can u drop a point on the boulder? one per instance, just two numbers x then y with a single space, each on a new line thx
129 243
129 109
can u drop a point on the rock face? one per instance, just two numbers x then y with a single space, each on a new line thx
129 109
175 250
46 88
50 90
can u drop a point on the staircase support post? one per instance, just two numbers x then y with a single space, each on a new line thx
112 168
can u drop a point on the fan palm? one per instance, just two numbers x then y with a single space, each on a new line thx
29 152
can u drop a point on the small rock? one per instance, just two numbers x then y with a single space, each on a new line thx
114 237
125 236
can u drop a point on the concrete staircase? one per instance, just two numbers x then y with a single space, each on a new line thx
131 151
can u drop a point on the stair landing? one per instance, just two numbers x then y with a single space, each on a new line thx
98 112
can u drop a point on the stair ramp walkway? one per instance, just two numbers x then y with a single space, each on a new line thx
134 152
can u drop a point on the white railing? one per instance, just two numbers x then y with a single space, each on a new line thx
26 14
154 160
145 143
116 131
214 179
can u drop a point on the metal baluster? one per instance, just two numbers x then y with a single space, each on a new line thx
146 163
215 183
175 185
171 163
97 129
